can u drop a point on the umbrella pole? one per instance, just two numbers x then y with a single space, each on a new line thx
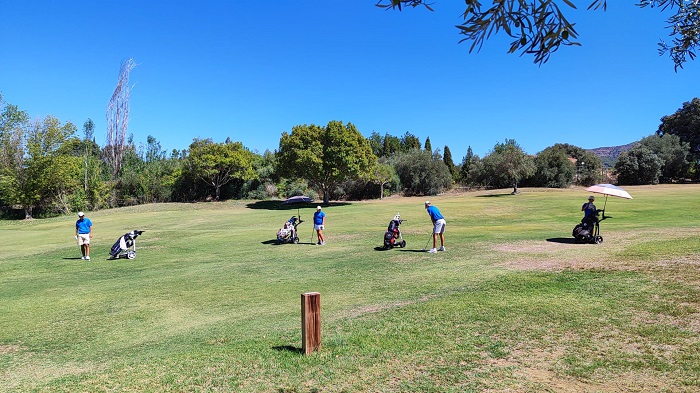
605 204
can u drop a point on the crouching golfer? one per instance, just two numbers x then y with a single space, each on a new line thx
83 234
438 227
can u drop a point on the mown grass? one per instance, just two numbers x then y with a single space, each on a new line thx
212 304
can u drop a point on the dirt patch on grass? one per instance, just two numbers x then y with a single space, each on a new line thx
564 254
6 349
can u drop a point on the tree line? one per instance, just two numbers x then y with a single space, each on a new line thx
46 168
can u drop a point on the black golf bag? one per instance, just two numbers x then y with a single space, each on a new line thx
126 245
588 231
392 236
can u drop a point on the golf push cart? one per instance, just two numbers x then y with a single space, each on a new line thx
588 231
125 247
288 232
392 236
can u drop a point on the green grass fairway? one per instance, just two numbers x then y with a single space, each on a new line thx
212 304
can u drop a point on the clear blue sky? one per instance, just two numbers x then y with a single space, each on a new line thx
250 70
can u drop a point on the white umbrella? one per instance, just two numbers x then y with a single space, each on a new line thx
609 189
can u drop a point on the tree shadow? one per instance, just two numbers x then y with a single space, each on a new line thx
278 205
494 195
288 348
562 240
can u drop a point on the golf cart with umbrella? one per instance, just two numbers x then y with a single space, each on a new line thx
588 231
288 233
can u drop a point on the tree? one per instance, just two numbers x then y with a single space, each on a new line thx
589 167
472 169
42 176
428 146
685 123
219 163
447 159
118 118
14 126
639 165
553 168
508 164
325 156
409 142
376 144
540 27
391 145
382 174
672 152
421 173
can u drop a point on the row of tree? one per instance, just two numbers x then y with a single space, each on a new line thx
45 168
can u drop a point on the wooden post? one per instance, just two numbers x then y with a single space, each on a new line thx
310 322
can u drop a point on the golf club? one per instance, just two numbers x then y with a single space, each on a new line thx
426 243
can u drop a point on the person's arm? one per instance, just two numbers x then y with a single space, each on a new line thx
90 231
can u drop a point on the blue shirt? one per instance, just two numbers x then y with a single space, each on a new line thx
588 209
318 217
83 225
434 213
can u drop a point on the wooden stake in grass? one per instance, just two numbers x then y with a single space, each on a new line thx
310 322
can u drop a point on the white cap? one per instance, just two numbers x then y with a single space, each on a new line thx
427 203
80 214
318 207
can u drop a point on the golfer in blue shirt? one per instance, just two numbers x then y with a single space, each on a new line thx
438 227
83 234
319 225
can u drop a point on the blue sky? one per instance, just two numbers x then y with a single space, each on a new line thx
250 70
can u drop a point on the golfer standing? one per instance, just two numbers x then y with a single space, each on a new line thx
438 227
83 234
319 223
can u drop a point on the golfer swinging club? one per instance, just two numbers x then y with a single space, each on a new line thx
438 227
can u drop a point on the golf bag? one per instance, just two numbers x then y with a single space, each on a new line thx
126 245
588 231
288 232
392 236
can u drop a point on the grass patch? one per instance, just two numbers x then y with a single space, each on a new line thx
212 304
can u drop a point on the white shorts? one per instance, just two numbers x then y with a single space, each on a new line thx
83 238
439 226
318 227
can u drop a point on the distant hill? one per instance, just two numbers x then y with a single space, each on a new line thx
609 154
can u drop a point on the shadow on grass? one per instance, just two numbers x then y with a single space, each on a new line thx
288 348
274 242
396 249
563 240
277 205
494 195
72 258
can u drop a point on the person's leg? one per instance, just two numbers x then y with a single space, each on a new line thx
435 236
321 237
87 251
442 239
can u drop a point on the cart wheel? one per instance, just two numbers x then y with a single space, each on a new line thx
403 244
598 239
295 240
131 254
